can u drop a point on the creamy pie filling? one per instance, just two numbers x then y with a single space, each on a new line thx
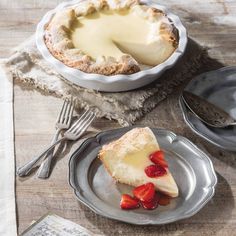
112 33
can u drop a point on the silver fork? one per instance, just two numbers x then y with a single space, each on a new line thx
63 122
76 130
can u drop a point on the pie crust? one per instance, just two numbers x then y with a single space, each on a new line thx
59 33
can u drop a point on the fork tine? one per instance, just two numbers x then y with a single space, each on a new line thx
78 121
65 111
86 118
83 122
71 113
85 126
61 112
68 112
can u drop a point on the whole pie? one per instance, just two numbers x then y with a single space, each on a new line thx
110 37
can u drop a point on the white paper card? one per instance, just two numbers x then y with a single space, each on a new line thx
53 225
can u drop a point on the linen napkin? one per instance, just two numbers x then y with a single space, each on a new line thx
27 66
7 160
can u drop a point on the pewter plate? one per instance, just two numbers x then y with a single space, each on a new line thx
191 168
219 88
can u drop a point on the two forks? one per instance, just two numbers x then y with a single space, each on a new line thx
63 122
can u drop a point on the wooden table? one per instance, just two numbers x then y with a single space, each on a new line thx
35 116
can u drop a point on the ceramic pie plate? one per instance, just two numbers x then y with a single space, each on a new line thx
95 188
113 83
219 88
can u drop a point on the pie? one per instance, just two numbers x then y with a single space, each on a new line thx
109 38
128 159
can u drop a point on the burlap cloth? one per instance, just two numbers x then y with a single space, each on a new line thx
28 67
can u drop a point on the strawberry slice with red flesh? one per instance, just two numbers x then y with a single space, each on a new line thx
158 158
127 202
145 192
154 171
153 204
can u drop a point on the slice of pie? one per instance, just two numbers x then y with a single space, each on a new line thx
128 158
110 37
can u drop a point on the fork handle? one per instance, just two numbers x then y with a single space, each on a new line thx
25 169
44 169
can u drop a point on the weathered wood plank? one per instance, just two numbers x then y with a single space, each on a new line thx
211 23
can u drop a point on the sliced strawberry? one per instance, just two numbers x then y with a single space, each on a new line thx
163 199
127 202
154 171
158 158
153 204
145 192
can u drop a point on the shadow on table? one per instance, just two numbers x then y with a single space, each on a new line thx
212 217
229 158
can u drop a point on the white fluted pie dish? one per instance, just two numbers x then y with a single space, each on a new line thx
113 83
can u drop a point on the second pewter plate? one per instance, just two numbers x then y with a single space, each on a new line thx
219 88
191 168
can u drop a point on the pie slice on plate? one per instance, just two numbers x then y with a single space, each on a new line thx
136 159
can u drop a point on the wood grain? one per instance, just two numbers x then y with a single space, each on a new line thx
35 116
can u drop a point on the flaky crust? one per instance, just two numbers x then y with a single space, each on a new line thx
58 42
